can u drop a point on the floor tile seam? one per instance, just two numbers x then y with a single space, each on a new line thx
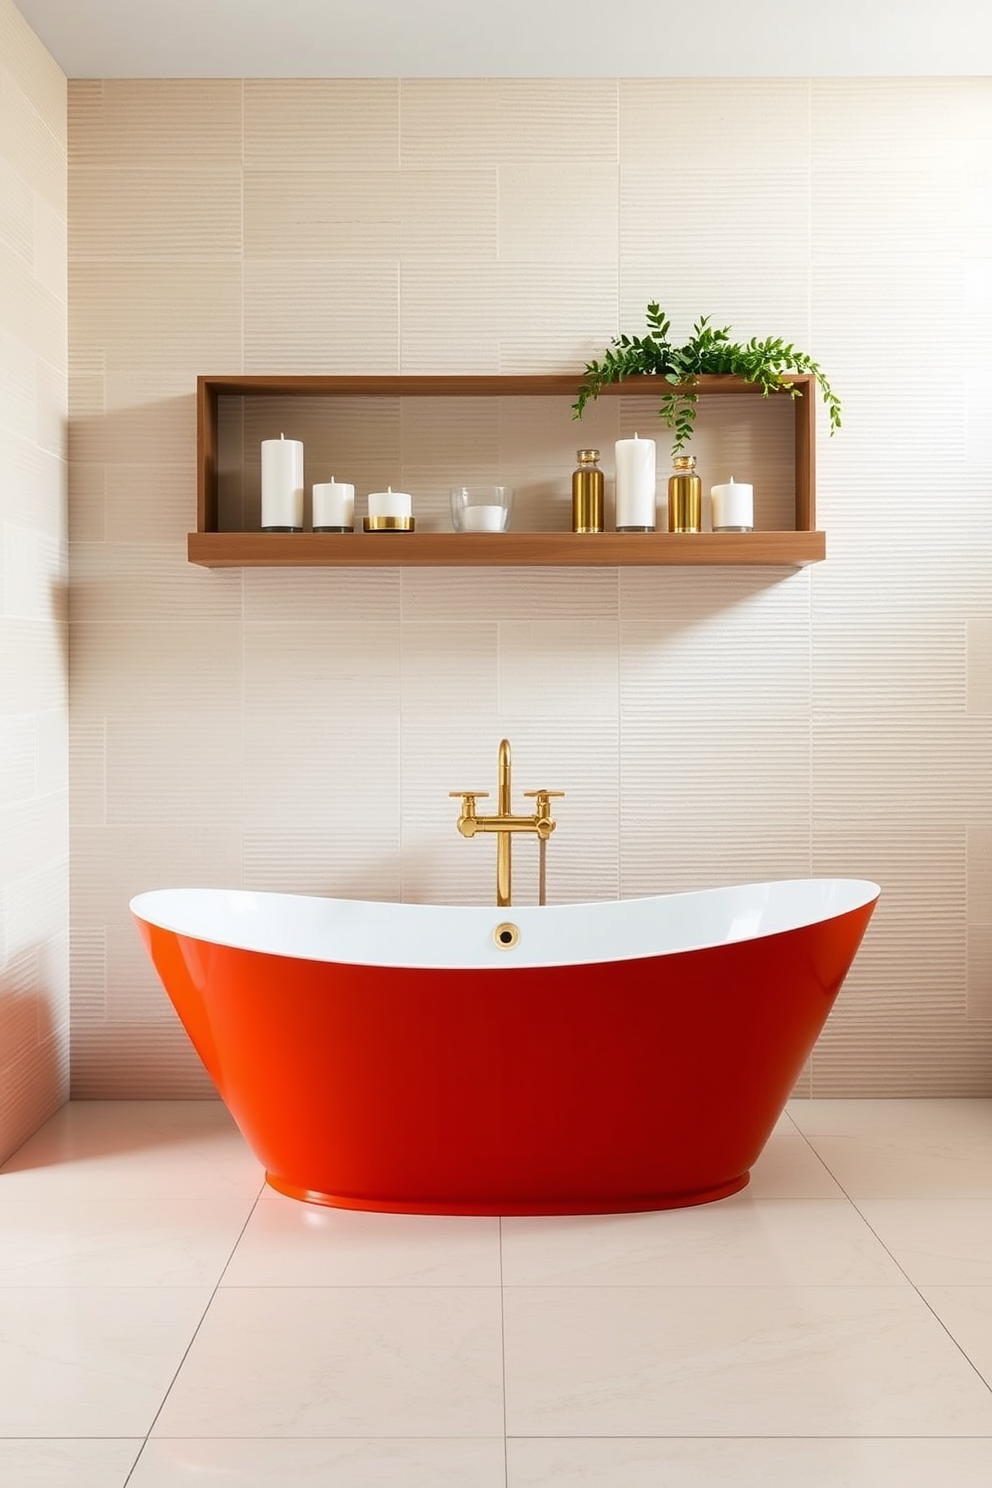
986 1380
895 1260
903 1286
648 1436
359 1286
821 1159
186 1351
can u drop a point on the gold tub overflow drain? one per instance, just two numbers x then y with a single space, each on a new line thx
506 936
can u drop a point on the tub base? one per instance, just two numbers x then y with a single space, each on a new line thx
637 1205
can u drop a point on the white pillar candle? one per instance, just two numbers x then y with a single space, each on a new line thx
635 465
282 483
390 503
732 507
333 505
483 518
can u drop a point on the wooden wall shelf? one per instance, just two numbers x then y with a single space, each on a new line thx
503 550
212 548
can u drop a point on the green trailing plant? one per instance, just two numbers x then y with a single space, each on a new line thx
708 350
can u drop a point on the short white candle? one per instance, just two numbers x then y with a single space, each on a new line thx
282 483
732 506
333 504
483 518
390 503
635 466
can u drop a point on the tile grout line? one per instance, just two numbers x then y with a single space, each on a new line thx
186 1351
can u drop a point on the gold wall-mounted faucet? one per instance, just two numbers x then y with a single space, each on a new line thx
504 824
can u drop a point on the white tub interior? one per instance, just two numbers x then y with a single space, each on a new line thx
436 936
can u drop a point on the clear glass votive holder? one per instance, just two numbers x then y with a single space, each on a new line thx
481 508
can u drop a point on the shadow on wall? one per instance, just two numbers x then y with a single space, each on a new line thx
34 1062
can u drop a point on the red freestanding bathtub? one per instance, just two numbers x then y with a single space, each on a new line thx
581 1058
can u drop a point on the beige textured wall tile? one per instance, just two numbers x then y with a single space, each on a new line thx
322 862
876 121
565 212
677 204
325 597
449 669
35 909
34 868
51 250
979 873
28 143
87 490
32 665
52 743
153 122
341 214
887 766
174 667
114 862
16 212
487 121
29 312
167 316
979 662
698 645
555 669
350 672
38 74
151 583
137 418
133 213
509 594
910 672
688 286
88 775
18 748
449 317
151 502
979 1003
305 124
714 121
701 807
307 769
137 1061
321 316
163 767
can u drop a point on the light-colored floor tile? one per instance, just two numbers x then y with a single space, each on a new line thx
902 1148
91 1362
340 1361
966 1313
287 1243
773 1242
118 1242
746 1361
788 1168
408 1463
814 1462
134 1149
937 1242
36 1463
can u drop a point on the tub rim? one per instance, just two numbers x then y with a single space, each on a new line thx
438 937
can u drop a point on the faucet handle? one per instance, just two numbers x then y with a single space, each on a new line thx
469 795
545 823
